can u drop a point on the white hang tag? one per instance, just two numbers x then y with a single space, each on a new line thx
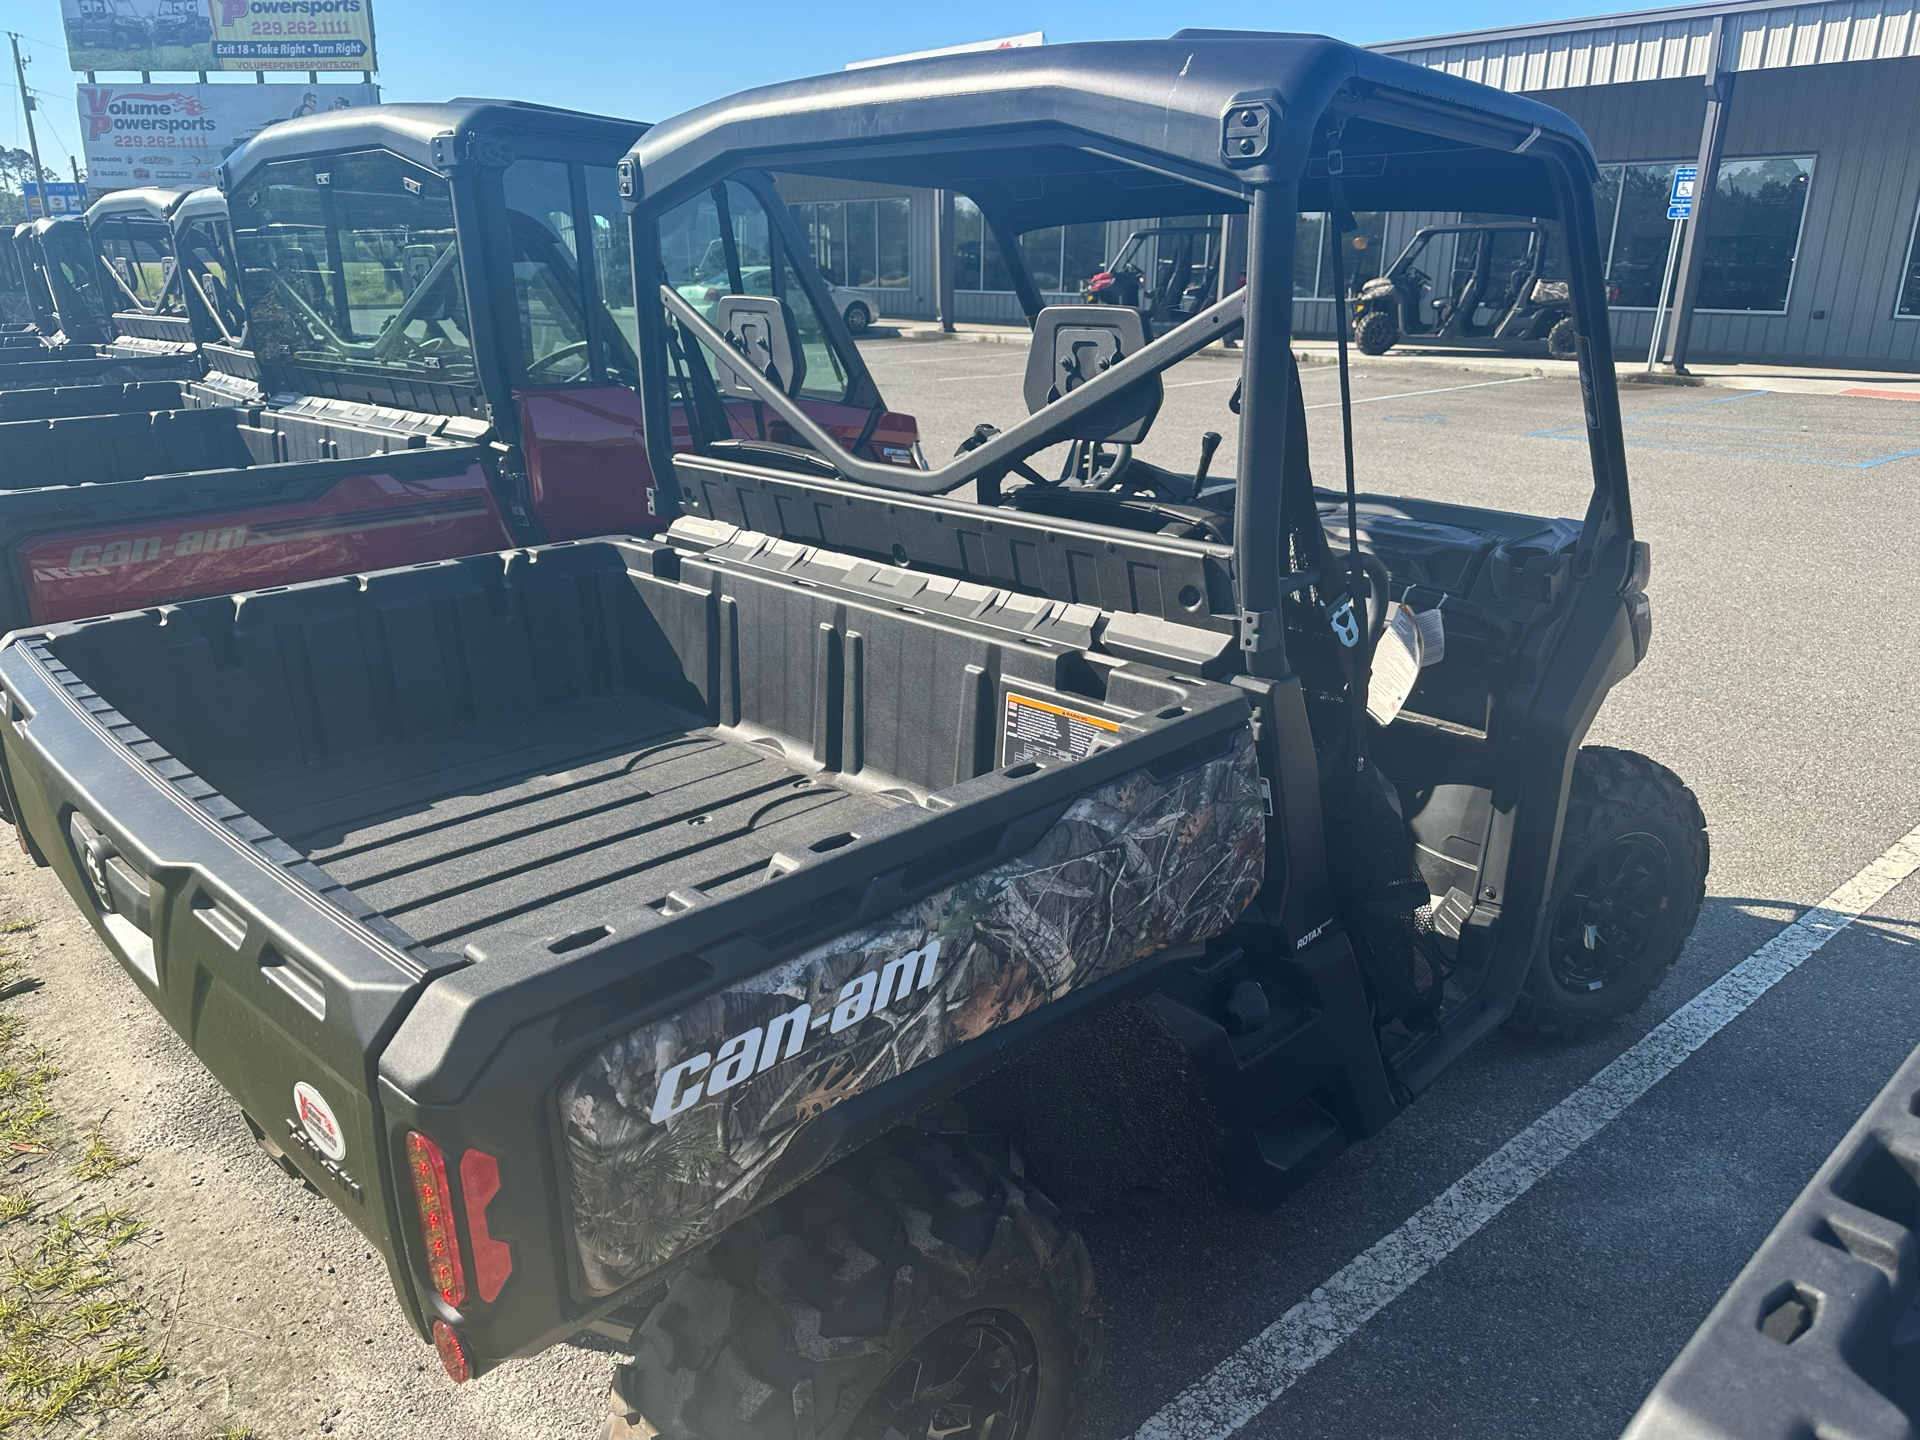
1433 636
1396 665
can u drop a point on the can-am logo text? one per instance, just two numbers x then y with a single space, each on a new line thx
712 1073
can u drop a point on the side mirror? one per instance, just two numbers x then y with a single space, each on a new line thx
761 333
1074 344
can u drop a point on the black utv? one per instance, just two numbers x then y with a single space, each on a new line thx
1166 272
1496 291
657 935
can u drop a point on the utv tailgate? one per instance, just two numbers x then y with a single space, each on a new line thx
1820 1334
630 805
252 957
106 512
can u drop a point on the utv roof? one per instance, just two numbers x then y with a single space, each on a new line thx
411 130
201 205
149 201
1122 129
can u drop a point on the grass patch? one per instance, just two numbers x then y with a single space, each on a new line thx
99 1159
72 1341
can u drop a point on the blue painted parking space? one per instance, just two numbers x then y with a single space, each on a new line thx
1837 432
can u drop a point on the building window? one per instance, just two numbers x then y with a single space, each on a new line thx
1631 204
1908 306
1062 258
1361 259
1753 232
860 243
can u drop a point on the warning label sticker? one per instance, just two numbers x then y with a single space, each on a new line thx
1037 730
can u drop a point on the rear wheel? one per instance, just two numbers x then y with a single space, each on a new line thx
1627 888
859 317
919 1289
1376 332
1561 341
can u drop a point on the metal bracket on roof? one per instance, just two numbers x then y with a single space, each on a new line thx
1246 132
452 150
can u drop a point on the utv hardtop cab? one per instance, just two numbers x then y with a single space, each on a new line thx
1495 290
203 305
108 301
417 329
18 326
571 911
145 285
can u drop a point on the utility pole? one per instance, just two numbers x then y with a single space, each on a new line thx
26 108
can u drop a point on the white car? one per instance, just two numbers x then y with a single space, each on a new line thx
854 308
704 293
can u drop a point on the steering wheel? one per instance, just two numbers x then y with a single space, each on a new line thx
565 352
1119 460
1421 280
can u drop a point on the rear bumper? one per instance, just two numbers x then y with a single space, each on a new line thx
1819 1335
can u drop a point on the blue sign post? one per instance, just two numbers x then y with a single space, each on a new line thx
1679 211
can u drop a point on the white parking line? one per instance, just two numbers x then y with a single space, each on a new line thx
1262 1370
1443 390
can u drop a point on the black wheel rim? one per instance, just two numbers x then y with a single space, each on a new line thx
1604 922
974 1378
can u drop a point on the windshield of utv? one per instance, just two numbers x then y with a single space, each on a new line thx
349 264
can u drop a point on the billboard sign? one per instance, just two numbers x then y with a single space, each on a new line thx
177 135
63 198
1010 42
176 35
292 34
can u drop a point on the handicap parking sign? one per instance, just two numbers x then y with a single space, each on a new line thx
1680 202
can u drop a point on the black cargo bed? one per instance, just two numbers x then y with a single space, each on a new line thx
535 824
524 754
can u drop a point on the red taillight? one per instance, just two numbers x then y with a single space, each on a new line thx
453 1354
492 1259
435 1202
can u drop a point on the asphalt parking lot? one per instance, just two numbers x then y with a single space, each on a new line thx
1781 686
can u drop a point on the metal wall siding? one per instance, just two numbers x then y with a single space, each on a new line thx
1627 54
1610 55
1864 135
1656 120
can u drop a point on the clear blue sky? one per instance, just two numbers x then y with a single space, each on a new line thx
649 60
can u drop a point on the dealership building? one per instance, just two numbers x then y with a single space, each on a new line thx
1802 250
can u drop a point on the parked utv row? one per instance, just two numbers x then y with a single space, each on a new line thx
358 410
636 801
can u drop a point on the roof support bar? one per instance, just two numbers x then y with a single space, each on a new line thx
1014 257
1264 416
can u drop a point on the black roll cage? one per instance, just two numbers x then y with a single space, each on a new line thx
1263 310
